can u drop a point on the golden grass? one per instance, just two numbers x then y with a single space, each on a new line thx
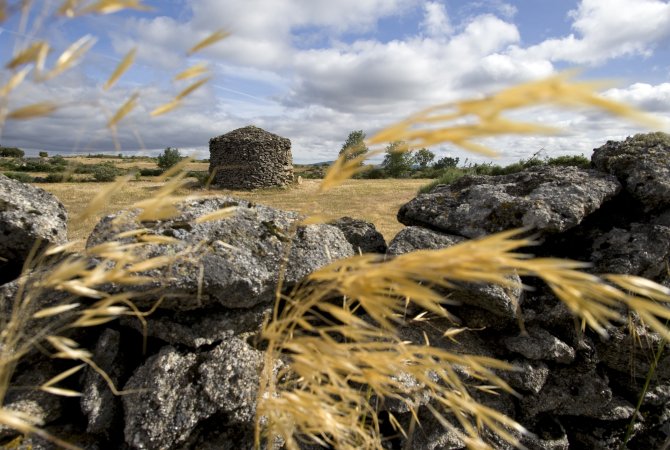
376 201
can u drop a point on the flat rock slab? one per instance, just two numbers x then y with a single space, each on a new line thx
546 199
29 216
235 262
642 165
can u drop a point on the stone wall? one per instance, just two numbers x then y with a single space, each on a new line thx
195 386
250 158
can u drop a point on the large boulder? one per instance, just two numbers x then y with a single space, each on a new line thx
235 262
29 217
642 165
545 198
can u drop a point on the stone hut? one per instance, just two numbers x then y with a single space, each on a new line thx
250 158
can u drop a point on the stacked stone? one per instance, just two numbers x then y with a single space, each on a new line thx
250 158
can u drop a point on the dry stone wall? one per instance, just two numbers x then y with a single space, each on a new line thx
250 158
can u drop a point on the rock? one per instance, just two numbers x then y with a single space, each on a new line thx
29 216
101 407
642 250
642 165
548 434
197 328
362 235
417 238
545 198
569 392
235 262
180 390
530 376
250 158
539 344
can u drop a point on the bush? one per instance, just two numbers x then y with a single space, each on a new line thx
580 161
201 175
445 162
11 152
43 154
151 172
169 158
105 172
19 176
57 178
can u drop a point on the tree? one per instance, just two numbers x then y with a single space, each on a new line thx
11 152
354 145
445 162
423 157
169 158
44 155
398 160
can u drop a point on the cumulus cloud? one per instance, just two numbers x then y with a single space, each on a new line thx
435 19
609 29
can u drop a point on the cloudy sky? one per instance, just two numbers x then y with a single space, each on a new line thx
314 70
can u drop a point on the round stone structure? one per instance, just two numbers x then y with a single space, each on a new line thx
250 158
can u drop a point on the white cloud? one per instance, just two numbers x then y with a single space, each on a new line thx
647 97
609 29
435 20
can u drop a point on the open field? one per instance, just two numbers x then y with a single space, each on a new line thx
376 201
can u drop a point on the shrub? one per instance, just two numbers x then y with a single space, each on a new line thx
580 161
151 172
57 178
11 152
20 176
169 158
200 175
43 154
105 172
445 162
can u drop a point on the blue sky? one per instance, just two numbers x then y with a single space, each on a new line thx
314 70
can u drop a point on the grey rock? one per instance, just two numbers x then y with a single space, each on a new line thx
631 354
642 250
180 390
362 235
196 328
29 217
539 344
642 165
250 158
569 392
417 238
501 301
548 435
530 376
545 198
234 262
98 403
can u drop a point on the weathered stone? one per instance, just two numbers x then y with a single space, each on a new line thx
250 158
201 327
29 217
529 376
546 435
180 390
545 198
101 407
642 165
362 235
417 238
539 344
569 392
236 262
642 250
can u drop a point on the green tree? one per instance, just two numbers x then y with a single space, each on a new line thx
423 157
169 158
354 145
11 152
398 160
44 155
445 162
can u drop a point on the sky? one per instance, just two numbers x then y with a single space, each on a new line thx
315 70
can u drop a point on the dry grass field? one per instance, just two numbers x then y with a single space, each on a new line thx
376 201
